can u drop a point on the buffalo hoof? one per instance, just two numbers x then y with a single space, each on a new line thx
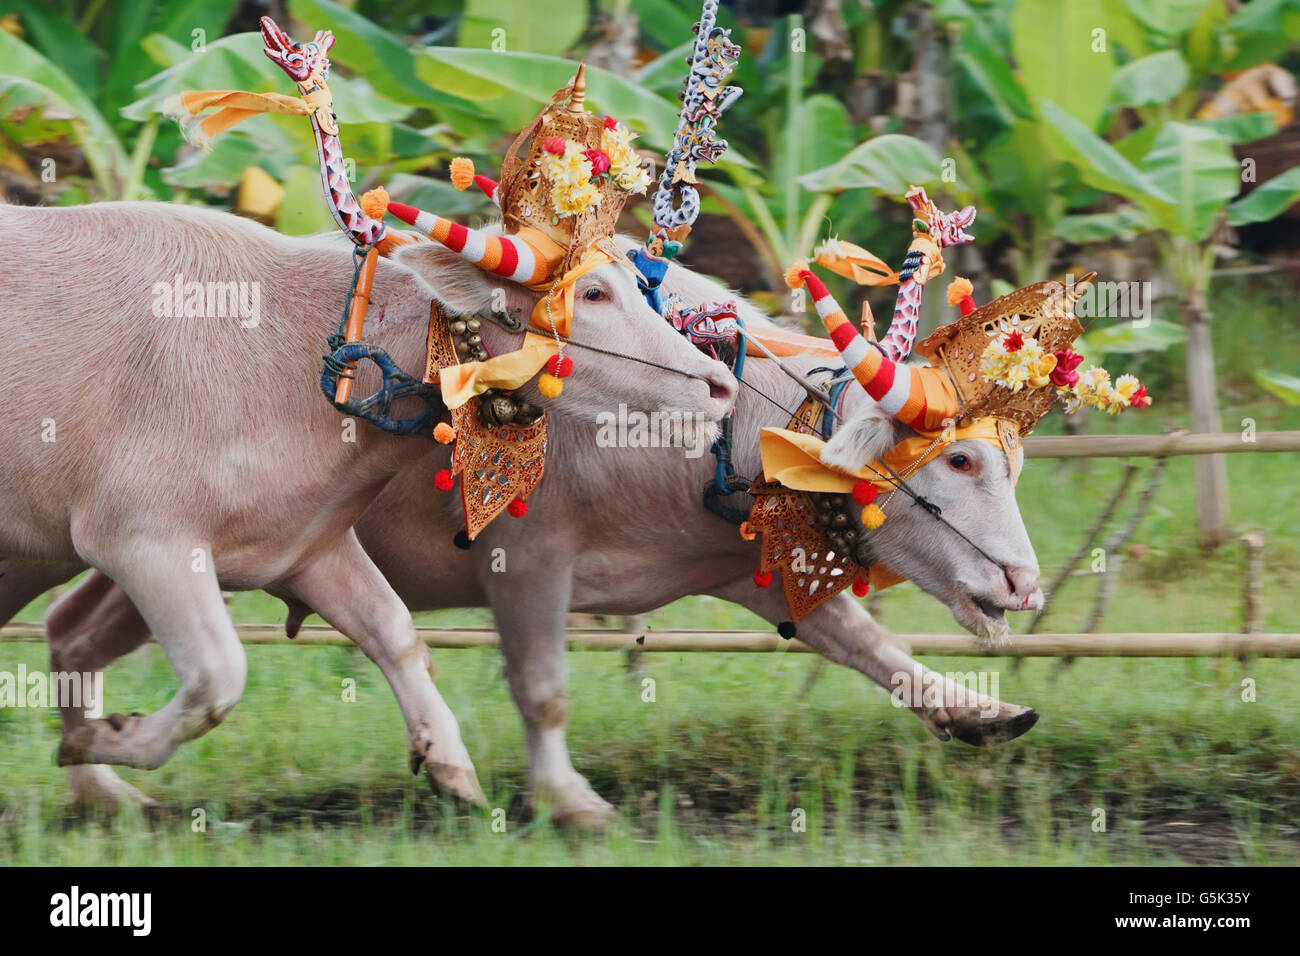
74 748
96 786
990 731
575 806
456 781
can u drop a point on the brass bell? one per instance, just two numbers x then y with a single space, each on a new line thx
462 348
526 414
474 339
839 520
457 327
499 409
473 325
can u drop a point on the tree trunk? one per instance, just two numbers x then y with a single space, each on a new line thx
1203 399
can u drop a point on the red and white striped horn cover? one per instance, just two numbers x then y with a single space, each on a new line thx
508 256
899 389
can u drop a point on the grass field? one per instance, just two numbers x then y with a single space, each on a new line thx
715 770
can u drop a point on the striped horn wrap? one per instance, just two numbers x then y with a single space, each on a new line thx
512 257
920 397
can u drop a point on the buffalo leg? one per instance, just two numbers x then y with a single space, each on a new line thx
842 631
176 592
343 586
530 611
88 628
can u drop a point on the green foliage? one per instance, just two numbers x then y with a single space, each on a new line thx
1285 387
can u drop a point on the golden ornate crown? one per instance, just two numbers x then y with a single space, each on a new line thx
1038 319
576 175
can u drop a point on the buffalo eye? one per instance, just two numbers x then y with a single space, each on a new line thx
960 462
594 294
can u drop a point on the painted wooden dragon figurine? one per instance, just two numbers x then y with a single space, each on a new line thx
932 232
308 65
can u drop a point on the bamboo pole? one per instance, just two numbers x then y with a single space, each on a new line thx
1123 644
1156 446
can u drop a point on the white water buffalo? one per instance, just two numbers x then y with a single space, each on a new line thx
622 531
182 449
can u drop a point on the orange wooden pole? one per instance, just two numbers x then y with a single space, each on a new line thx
356 322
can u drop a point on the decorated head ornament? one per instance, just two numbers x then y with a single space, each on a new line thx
676 205
560 203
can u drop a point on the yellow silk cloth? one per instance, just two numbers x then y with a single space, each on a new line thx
460 383
794 459
235 106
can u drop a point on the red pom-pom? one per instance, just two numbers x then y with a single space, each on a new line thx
861 587
762 579
561 366
864 492
517 508
443 480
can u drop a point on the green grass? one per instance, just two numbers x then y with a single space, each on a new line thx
708 773
711 772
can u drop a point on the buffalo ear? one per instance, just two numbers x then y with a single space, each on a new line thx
459 285
859 441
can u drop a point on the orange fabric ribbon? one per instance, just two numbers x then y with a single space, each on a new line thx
794 459
460 383
235 106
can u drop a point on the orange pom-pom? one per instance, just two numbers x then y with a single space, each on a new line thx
794 275
872 516
374 203
550 386
462 172
443 433
958 289
746 532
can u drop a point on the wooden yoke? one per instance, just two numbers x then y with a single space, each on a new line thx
357 318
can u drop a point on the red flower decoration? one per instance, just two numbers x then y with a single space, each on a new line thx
599 161
611 123
1014 341
555 144
1064 375
1140 398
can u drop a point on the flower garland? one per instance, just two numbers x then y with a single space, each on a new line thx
1017 360
574 172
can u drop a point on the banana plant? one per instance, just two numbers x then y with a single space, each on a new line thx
82 61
